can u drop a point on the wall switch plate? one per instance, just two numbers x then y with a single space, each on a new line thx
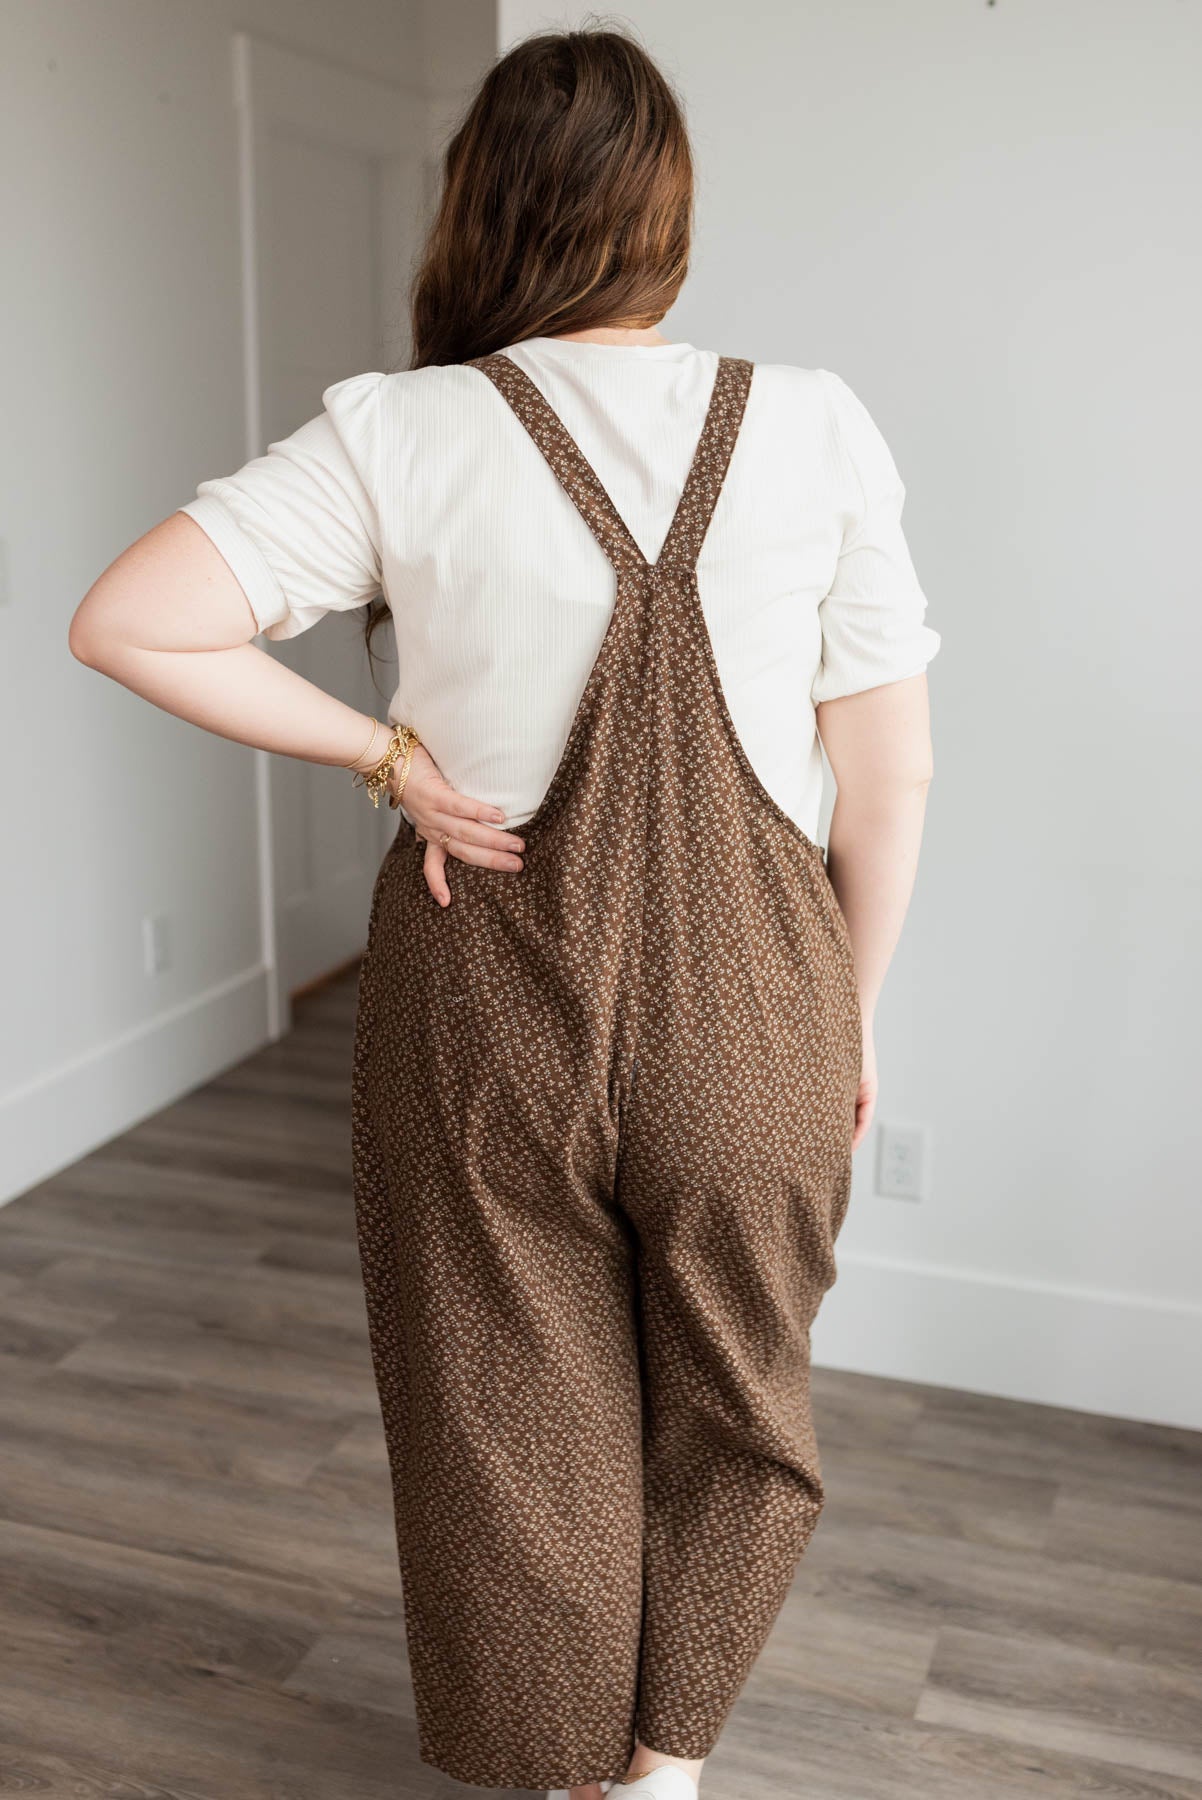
903 1161
156 944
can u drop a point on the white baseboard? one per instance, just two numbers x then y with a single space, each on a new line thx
57 1118
1128 1356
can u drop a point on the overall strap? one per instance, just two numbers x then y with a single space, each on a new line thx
568 462
703 484
711 459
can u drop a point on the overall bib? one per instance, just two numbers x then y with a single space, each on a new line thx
602 1121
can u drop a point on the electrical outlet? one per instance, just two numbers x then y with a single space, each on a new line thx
903 1159
156 944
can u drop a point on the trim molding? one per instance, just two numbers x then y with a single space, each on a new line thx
1123 1355
61 1115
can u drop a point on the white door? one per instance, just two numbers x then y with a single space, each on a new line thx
334 180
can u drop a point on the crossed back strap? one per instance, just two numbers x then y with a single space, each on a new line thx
703 484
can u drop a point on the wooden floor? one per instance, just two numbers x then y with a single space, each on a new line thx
198 1591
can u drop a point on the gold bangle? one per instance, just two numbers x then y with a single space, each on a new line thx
354 763
394 794
376 780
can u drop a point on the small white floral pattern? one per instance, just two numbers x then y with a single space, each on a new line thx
602 1124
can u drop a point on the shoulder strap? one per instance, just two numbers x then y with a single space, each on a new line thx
707 471
569 464
711 459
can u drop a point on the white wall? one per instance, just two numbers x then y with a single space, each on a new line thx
981 217
120 321
984 218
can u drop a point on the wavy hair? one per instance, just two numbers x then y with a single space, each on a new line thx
566 204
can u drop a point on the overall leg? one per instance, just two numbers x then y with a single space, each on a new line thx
499 1286
735 1172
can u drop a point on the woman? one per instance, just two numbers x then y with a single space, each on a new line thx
614 1039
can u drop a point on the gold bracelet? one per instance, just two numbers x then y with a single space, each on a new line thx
375 781
354 764
394 796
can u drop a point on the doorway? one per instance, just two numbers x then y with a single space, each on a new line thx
334 180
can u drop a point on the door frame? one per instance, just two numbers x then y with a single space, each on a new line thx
381 119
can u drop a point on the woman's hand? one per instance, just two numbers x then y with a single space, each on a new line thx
437 808
866 1092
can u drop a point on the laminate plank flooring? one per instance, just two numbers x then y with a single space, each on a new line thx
198 1589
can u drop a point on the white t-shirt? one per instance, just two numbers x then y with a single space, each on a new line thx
424 486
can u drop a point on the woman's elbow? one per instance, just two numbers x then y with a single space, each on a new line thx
84 640
922 772
886 787
899 768
908 762
93 637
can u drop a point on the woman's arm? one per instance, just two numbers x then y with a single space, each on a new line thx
878 744
169 620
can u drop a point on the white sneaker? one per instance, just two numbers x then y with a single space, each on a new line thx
665 1783
562 1793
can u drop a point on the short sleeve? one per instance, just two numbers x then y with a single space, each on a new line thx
872 618
299 525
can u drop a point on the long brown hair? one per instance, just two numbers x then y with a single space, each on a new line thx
567 203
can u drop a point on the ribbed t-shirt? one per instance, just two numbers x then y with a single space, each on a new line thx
424 487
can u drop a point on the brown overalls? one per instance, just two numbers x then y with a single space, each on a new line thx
603 1110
